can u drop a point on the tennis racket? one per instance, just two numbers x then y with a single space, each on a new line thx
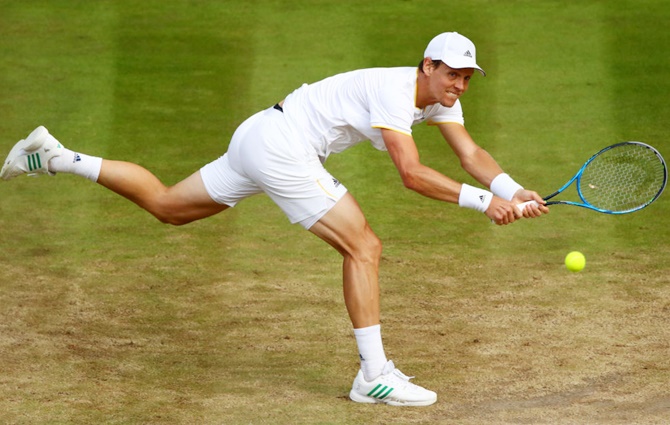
620 179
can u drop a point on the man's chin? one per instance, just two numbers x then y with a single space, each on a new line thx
448 103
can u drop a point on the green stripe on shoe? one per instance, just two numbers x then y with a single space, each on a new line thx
383 396
380 391
34 162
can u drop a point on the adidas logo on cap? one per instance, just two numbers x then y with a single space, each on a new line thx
467 53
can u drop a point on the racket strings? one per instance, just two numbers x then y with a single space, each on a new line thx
623 178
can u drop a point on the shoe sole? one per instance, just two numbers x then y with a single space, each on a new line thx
35 140
358 398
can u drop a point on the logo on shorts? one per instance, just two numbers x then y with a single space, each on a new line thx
336 182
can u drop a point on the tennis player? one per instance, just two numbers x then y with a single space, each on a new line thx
280 151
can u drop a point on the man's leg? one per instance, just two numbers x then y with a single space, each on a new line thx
182 203
345 228
41 153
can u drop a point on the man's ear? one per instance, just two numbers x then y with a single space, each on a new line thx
428 66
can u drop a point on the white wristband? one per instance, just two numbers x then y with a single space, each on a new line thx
504 186
475 198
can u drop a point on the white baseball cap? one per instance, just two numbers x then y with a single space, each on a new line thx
454 50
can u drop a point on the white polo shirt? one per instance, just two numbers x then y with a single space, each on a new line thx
343 110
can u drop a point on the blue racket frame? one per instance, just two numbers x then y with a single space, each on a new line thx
577 177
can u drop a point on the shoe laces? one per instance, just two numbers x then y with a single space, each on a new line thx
390 369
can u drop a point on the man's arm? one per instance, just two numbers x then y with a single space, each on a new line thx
481 165
416 176
475 160
433 184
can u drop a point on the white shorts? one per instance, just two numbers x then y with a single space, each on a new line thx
265 156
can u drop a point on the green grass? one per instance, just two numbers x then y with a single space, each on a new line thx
108 316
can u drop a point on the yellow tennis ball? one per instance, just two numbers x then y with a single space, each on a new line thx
575 261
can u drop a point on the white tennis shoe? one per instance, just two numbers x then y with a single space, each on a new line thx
391 387
32 155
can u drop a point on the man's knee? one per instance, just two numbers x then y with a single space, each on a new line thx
369 248
170 218
166 211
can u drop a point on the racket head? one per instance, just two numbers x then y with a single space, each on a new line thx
622 178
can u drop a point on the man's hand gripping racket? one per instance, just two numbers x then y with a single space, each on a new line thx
619 179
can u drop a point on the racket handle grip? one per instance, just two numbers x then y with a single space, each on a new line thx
522 205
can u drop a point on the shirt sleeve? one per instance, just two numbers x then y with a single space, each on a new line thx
389 107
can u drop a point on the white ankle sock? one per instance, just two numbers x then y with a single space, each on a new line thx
77 163
371 351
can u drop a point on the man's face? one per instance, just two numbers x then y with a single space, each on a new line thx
447 84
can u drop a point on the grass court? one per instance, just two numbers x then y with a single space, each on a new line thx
107 316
